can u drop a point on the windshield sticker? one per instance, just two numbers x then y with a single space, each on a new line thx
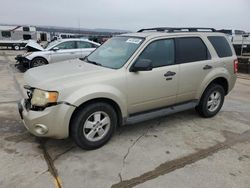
134 40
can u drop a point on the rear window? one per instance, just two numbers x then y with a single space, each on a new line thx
221 46
191 49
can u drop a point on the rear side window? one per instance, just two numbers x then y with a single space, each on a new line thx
221 46
82 44
191 49
160 52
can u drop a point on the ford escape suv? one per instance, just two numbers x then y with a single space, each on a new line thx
130 78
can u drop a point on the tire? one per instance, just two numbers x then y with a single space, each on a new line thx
84 125
38 61
16 47
211 101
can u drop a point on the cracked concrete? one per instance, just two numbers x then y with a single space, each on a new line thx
231 139
181 150
128 151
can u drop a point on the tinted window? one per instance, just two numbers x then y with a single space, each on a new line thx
82 44
160 52
26 29
190 49
26 37
6 34
221 46
66 45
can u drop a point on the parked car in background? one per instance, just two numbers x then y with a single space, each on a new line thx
130 78
59 50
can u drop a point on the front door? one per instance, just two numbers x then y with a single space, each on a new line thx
64 51
148 90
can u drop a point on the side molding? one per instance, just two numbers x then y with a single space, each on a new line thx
160 112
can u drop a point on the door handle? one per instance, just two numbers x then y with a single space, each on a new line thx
207 67
169 73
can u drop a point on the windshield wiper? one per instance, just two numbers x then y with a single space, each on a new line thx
92 62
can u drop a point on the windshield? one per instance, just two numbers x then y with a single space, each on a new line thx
50 44
115 52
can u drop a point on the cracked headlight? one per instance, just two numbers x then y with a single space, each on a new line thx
43 98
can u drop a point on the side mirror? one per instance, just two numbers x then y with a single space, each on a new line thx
55 49
142 65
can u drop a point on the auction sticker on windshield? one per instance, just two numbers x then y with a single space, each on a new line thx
134 40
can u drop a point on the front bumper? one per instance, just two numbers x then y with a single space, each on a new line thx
55 118
23 61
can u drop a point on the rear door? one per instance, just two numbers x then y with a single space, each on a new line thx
84 48
66 50
195 63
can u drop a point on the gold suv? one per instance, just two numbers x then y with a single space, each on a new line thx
130 78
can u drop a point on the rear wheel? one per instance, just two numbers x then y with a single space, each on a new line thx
16 47
211 101
38 61
93 125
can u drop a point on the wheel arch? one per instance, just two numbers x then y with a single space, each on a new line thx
36 57
223 81
100 99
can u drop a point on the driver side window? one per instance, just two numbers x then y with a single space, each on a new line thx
66 45
160 53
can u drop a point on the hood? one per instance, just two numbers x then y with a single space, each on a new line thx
63 74
33 46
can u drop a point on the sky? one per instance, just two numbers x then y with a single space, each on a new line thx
128 14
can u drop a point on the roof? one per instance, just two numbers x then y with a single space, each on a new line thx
76 39
176 31
162 34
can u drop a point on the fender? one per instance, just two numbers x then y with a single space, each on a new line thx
87 93
218 72
41 54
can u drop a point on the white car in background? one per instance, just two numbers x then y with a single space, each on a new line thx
56 51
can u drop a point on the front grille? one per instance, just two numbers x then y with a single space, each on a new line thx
27 104
27 101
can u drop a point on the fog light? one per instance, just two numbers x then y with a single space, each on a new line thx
41 129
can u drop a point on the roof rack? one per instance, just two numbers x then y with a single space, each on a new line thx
179 29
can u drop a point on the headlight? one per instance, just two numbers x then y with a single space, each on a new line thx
43 98
27 54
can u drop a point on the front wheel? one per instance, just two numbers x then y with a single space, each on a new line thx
211 101
93 125
38 61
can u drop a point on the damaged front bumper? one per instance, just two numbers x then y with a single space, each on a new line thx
51 122
23 61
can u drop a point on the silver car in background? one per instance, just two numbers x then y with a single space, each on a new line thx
56 51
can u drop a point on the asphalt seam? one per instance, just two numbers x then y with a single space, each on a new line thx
51 167
64 152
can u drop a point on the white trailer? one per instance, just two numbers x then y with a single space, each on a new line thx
16 37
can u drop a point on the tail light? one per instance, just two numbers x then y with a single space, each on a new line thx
236 65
